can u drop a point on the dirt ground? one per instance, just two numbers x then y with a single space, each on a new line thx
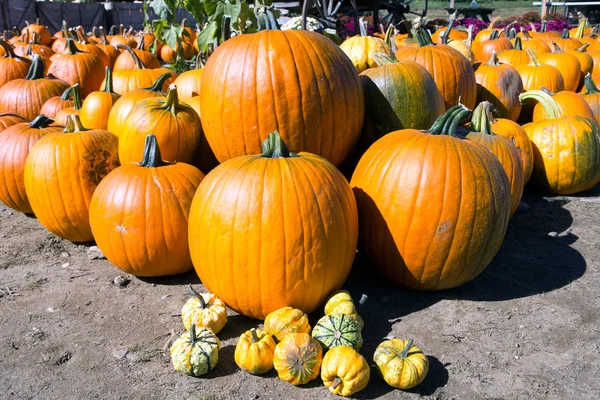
528 327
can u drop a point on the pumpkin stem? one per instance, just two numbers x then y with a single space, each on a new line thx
41 121
555 48
583 48
152 157
8 50
65 29
407 348
590 86
493 60
445 124
423 38
362 24
137 61
543 27
74 124
172 101
389 35
526 34
493 22
446 34
382 58
36 70
193 334
81 36
336 382
108 81
199 61
274 147
469 41
533 60
255 337
481 120
141 42
550 106
103 39
565 34
583 22
193 291
494 35
160 81
225 28
512 33
547 91
76 90
518 43
71 47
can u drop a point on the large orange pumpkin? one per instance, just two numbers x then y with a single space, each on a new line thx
40 30
139 77
61 174
515 56
569 104
175 124
85 46
96 107
452 73
503 149
122 107
75 66
12 66
16 142
592 96
566 149
272 230
501 85
111 51
494 44
139 214
27 96
255 84
585 61
566 63
433 208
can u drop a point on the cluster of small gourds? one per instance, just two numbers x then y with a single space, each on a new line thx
298 354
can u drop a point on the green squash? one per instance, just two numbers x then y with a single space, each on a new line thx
400 95
338 330
195 353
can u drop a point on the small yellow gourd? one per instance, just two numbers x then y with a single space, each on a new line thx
344 371
401 364
254 351
286 320
205 310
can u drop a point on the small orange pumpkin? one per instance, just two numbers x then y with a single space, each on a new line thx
96 107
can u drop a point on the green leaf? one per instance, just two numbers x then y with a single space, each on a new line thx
207 36
246 20
167 33
215 9
196 8
164 9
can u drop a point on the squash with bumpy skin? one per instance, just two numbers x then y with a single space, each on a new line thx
298 358
195 352
400 363
344 371
286 320
338 330
204 310
254 352
341 302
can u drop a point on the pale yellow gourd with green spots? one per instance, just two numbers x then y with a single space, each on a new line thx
196 353
205 310
401 364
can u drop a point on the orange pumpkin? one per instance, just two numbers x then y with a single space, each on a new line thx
188 83
515 56
61 116
120 110
27 96
536 45
433 208
261 74
126 223
40 30
111 51
96 107
126 61
452 73
569 104
12 66
16 142
501 85
75 66
566 63
247 194
592 96
139 77
61 174
495 44
9 119
57 103
585 61
502 148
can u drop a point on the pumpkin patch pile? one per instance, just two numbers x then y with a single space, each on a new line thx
174 156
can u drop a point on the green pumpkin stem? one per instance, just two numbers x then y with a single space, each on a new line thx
423 38
494 35
8 50
160 81
255 337
194 293
407 348
518 44
382 58
512 33
590 86
336 382
493 60
225 28
555 48
533 60
76 91
74 124
565 34
584 47
547 91
103 39
41 121
72 47
36 70
481 120
439 123
274 147
66 95
550 107
172 100
583 22
108 80
137 61
543 27
446 34
152 157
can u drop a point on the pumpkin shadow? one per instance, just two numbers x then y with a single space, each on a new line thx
530 261
226 365
187 278
236 325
